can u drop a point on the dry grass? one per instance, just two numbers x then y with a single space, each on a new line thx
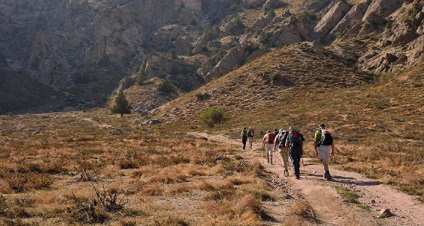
51 164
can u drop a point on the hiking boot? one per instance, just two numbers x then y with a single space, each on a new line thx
286 173
327 176
297 176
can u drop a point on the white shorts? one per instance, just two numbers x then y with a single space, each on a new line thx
269 148
324 152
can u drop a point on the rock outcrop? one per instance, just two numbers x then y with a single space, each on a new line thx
331 19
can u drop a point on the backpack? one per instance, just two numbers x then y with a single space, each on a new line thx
295 139
326 138
270 138
282 138
244 133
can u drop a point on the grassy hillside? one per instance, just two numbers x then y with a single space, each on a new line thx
376 119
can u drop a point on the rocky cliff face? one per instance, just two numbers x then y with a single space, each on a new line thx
83 48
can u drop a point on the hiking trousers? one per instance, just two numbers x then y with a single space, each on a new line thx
244 141
296 155
284 156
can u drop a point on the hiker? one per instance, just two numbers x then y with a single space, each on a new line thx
295 143
275 135
324 148
268 144
244 137
250 135
280 143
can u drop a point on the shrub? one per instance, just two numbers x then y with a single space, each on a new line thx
213 116
166 88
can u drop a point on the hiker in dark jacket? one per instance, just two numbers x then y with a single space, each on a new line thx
295 144
250 136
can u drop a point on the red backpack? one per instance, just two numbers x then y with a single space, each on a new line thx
270 138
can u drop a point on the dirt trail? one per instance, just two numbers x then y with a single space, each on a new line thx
328 205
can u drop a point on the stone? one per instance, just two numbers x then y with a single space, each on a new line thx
384 213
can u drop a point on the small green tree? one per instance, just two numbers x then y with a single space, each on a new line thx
213 116
121 104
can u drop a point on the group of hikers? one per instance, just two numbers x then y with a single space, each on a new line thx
291 142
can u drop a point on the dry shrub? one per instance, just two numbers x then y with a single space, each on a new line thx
127 223
152 190
168 177
224 185
170 221
220 195
28 181
295 220
248 203
217 209
192 171
87 212
250 218
238 180
206 186
301 209
180 189
128 164
179 158
49 167
4 187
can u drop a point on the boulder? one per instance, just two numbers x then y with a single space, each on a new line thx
331 19
151 122
384 213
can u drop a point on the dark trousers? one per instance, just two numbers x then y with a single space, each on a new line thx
244 141
296 155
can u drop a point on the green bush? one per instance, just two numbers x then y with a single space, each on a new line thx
213 116
166 87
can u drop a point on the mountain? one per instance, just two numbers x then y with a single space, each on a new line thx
88 49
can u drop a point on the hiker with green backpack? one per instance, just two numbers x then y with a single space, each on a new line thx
294 142
244 137
324 148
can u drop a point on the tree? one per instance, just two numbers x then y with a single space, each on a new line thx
121 104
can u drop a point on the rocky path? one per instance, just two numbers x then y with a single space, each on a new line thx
328 205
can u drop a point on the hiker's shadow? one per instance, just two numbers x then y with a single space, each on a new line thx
348 180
